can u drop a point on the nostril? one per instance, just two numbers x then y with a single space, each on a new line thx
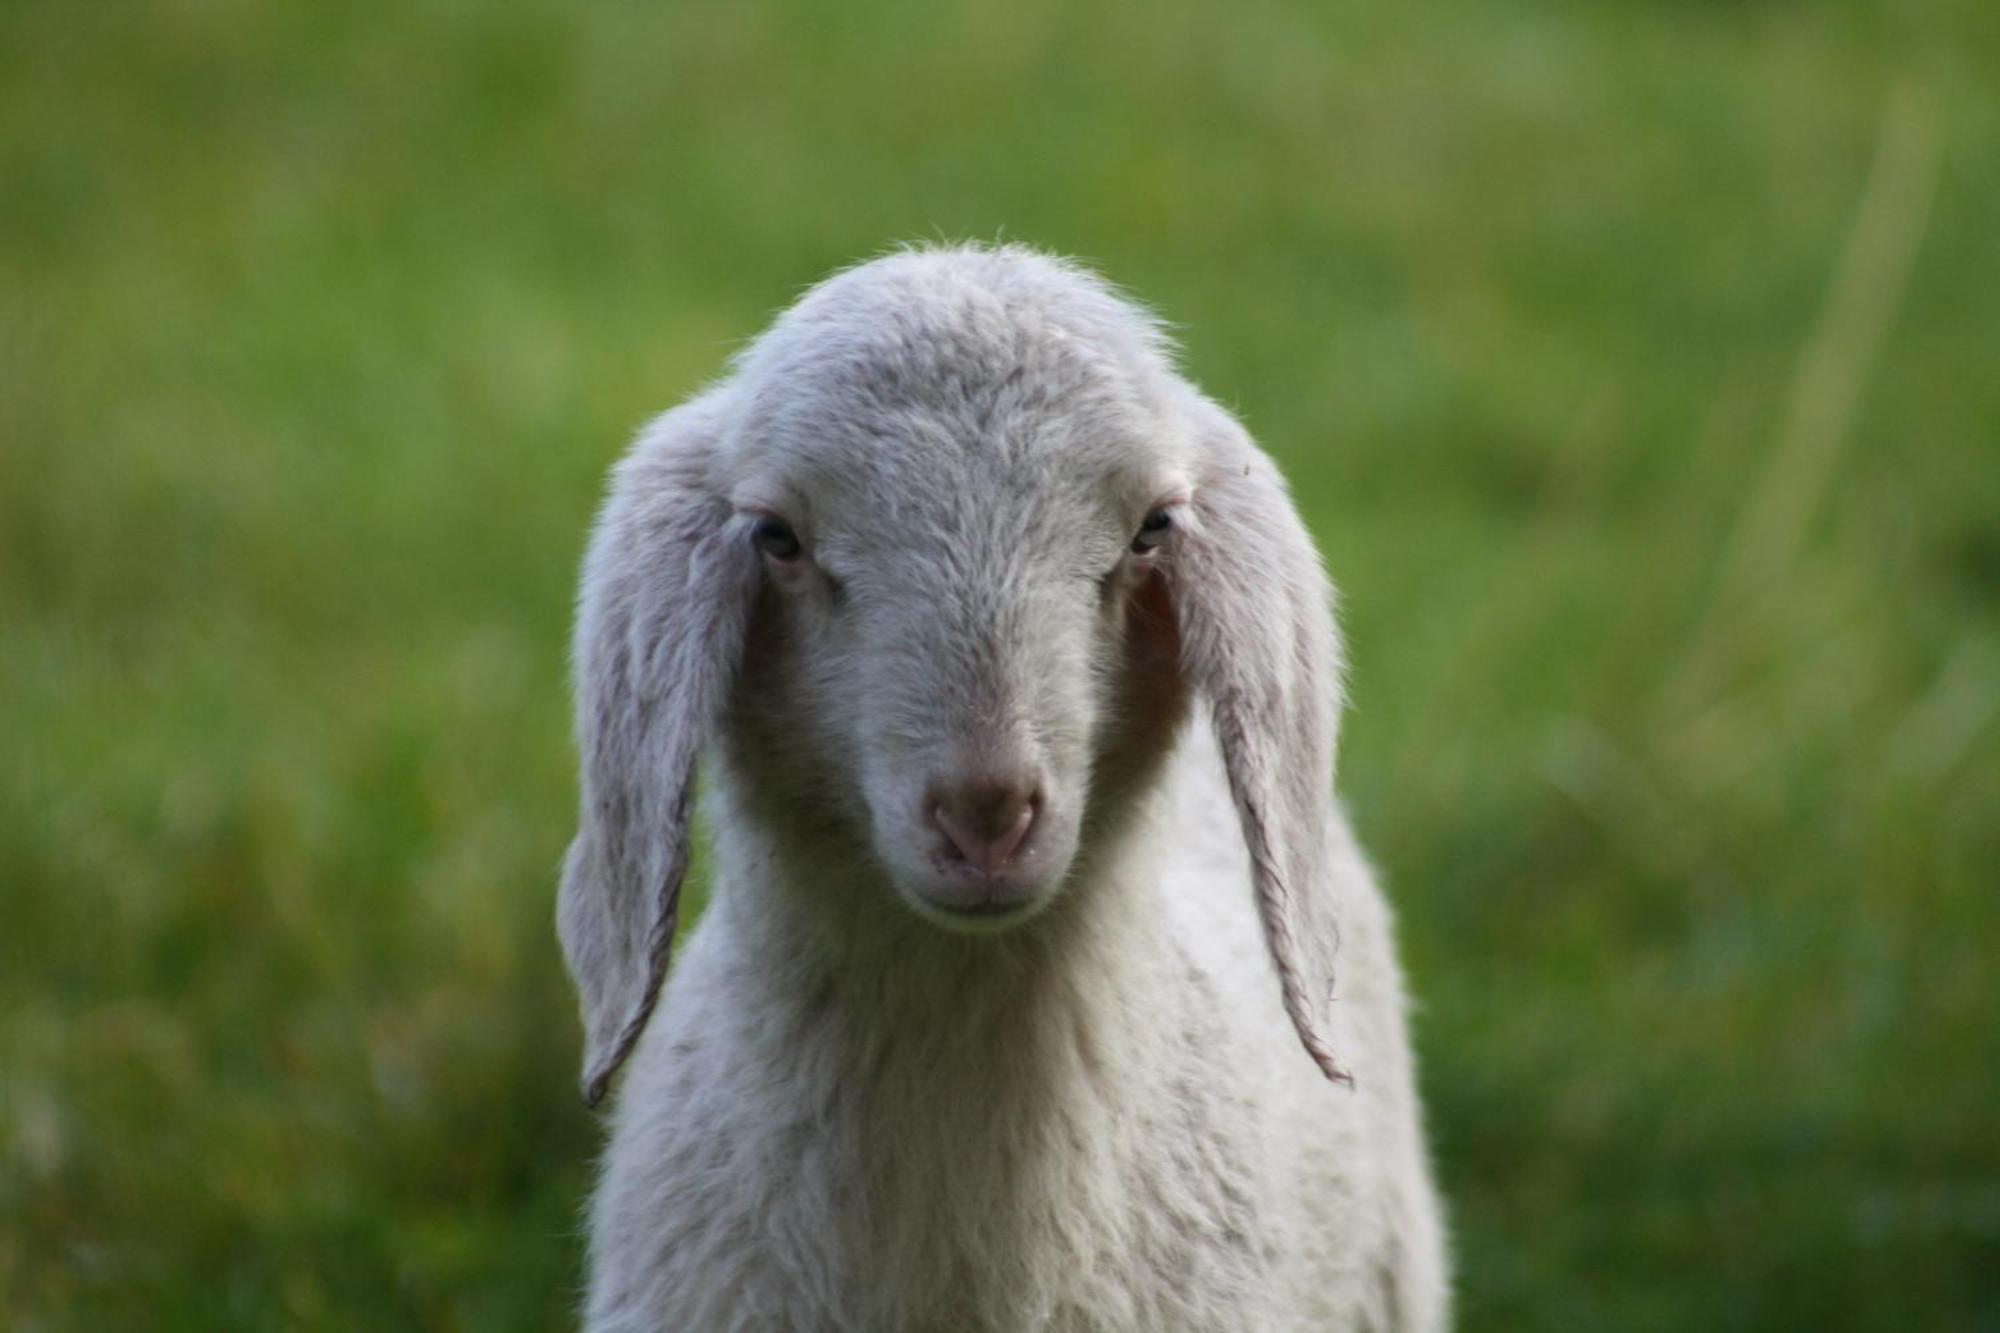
986 823
1002 846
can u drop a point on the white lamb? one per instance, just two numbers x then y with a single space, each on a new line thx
984 1027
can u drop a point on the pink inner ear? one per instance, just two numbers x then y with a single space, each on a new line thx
1148 699
1156 628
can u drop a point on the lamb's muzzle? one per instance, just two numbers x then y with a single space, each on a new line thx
985 820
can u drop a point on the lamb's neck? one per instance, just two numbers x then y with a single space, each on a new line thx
959 1103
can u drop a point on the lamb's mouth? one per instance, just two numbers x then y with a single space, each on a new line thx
987 910
978 914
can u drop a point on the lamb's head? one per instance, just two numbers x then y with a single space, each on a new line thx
940 565
962 481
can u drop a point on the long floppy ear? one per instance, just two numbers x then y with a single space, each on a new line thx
1258 639
667 590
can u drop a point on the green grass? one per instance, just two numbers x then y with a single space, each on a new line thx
1635 363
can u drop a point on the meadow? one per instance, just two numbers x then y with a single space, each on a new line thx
1635 364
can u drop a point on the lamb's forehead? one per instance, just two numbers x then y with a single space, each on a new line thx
975 301
923 374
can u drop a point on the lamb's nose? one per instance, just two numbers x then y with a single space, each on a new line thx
987 820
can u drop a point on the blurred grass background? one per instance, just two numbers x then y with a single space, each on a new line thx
1636 366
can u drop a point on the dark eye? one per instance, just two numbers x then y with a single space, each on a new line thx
1152 532
775 538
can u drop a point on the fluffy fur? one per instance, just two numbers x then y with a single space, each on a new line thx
854 1107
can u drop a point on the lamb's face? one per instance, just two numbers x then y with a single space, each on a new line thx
964 656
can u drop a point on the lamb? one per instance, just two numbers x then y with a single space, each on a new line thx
1015 683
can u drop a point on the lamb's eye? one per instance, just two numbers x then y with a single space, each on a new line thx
1152 532
775 538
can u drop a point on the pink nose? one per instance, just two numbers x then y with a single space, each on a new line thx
986 821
